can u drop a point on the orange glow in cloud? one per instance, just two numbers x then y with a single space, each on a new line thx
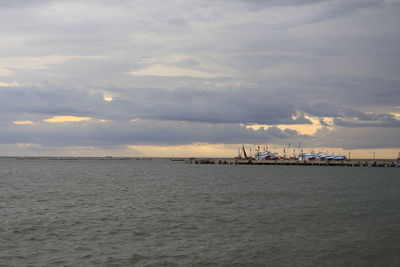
56 119
22 122
191 150
308 129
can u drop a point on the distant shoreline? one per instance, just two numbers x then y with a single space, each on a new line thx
146 158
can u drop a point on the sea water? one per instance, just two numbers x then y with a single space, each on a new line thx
165 213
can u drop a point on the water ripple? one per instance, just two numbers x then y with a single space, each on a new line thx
162 213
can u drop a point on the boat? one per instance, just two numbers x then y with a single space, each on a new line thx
330 157
320 156
335 157
307 156
340 157
266 155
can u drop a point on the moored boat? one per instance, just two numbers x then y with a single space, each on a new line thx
307 156
266 155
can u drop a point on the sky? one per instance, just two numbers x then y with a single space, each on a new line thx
198 77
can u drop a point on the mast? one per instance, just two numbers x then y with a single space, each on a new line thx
244 152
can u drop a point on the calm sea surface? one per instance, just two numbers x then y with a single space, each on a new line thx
164 213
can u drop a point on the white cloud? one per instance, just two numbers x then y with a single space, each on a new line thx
6 84
4 72
37 63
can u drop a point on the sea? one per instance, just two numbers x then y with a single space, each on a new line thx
158 212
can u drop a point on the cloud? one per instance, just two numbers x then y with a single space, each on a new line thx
97 133
229 64
151 132
358 137
61 119
224 105
384 120
22 3
23 122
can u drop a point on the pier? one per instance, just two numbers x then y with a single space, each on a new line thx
347 163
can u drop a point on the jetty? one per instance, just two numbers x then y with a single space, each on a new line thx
293 162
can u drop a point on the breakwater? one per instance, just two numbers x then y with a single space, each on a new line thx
348 163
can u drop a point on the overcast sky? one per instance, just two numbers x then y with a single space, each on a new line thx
121 75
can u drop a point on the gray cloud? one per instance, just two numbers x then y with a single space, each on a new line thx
22 3
381 121
239 62
250 106
359 137
138 132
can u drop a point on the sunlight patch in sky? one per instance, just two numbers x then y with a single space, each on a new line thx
108 97
308 129
57 119
191 150
23 122
5 84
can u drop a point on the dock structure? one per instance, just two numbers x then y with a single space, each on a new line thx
347 163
